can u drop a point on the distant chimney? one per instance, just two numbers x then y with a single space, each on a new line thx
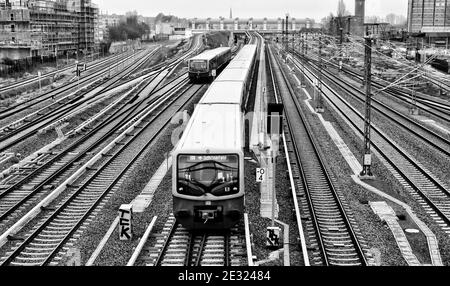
231 14
358 25
360 8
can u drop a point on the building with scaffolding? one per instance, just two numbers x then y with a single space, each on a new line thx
38 28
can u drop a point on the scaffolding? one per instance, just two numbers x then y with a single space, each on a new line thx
51 27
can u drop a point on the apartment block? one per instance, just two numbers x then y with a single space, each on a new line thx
431 17
36 28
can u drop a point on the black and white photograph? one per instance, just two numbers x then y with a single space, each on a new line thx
232 140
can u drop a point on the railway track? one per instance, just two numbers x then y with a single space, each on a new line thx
336 239
86 195
50 169
435 108
430 138
430 193
28 126
22 189
176 246
92 66
65 89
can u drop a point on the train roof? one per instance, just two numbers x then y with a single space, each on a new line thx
239 64
233 74
210 54
213 127
247 52
223 92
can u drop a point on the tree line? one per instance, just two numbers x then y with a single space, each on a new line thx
128 30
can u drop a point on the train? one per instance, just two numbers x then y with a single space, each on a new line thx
208 161
202 67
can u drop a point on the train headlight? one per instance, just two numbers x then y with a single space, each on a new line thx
235 189
227 189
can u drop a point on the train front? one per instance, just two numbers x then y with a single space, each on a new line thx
208 192
198 69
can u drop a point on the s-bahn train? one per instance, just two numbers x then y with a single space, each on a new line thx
208 161
202 66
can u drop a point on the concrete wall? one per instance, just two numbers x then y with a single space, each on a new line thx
14 53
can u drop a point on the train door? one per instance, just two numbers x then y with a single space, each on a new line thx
212 65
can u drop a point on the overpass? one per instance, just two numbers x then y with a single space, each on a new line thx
264 25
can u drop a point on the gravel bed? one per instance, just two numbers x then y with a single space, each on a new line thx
117 252
374 232
93 110
30 145
388 184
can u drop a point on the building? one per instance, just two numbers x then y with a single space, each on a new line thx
360 12
236 24
166 25
354 25
15 34
104 22
36 28
87 13
431 17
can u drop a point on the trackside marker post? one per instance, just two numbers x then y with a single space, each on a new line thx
40 87
125 222
260 175
273 237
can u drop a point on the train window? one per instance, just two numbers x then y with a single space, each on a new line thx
214 174
198 65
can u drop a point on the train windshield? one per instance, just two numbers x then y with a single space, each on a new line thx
198 65
201 174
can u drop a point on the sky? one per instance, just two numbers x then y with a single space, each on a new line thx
316 9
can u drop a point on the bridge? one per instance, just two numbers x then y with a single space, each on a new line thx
264 25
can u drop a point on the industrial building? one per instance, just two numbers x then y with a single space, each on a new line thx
36 28
353 25
431 18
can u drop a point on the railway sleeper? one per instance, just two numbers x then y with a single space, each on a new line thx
38 254
59 225
39 249
174 255
32 259
48 240
174 260
50 235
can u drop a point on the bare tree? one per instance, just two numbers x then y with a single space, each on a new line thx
391 18
341 10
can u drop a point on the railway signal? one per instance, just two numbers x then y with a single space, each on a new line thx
275 129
